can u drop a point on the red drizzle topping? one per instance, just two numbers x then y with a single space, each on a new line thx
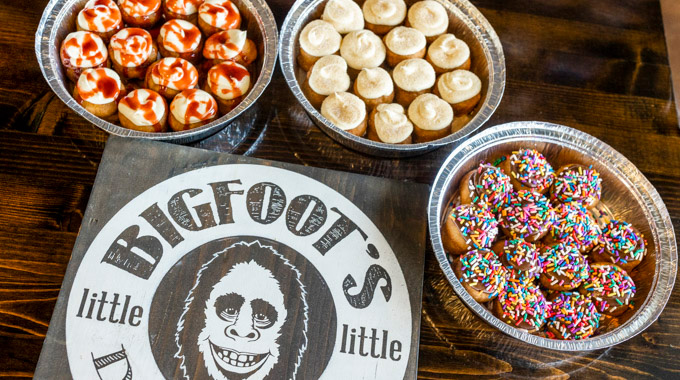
233 73
133 46
89 53
102 15
188 36
104 84
221 14
135 103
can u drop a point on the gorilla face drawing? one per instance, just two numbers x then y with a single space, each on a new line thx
243 323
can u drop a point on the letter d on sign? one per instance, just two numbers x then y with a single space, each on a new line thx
134 254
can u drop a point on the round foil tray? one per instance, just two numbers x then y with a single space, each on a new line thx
59 19
626 193
465 21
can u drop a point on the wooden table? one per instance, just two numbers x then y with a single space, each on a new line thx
599 66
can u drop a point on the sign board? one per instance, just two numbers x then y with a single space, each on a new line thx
198 265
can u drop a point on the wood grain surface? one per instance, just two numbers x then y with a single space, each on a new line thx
598 66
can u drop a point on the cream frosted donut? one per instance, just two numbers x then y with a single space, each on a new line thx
362 49
343 109
193 106
413 75
344 15
430 113
131 47
448 52
329 75
180 36
83 49
228 80
391 123
99 86
384 12
405 41
183 7
222 14
174 73
429 17
458 86
143 107
374 83
139 8
319 38
100 16
225 45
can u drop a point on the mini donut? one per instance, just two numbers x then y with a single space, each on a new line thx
522 306
388 123
143 110
481 274
429 17
132 51
230 45
362 49
191 109
346 111
611 288
345 16
374 86
527 215
564 268
81 51
317 39
448 53
404 43
528 170
520 257
218 15
327 76
432 118
486 186
461 89
572 316
186 10
620 243
229 83
170 75
101 17
572 223
98 91
180 39
468 227
412 78
140 13
382 15
577 183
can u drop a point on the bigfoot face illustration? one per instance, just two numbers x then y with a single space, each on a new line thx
243 319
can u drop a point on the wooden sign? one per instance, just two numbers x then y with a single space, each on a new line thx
198 265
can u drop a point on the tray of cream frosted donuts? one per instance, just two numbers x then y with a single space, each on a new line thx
393 77
552 236
164 69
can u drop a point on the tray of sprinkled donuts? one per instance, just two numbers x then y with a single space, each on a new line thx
552 236
393 78
173 70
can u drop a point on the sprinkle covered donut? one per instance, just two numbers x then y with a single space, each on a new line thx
572 223
526 215
611 288
468 227
620 243
521 305
482 275
564 268
528 169
486 186
572 316
521 258
577 183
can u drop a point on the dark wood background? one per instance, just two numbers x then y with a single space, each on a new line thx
599 66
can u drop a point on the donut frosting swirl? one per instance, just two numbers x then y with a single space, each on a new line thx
428 112
343 109
100 16
374 82
174 73
228 80
180 36
458 86
384 12
183 7
319 38
83 49
99 86
405 41
391 123
221 14
143 107
448 52
140 8
131 47
414 74
224 45
429 17
329 75
344 15
362 49
193 106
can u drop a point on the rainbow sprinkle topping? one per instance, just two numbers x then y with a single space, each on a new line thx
478 225
576 183
489 187
564 265
481 270
523 305
574 224
622 241
527 214
530 168
522 256
609 282
573 316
